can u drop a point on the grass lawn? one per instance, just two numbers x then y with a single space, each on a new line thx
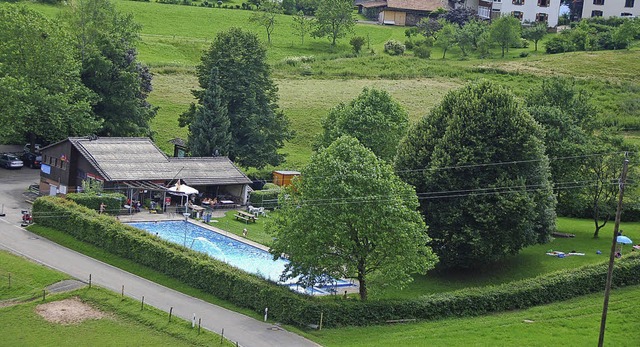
22 279
124 324
574 322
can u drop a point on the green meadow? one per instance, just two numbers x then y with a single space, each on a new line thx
123 324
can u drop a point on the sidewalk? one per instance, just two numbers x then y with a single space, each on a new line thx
238 328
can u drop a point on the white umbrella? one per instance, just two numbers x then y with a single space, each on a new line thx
182 189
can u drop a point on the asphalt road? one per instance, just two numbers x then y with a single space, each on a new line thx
237 327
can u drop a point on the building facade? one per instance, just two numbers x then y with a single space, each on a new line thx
610 8
526 10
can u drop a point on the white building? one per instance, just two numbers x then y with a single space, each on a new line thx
610 8
525 10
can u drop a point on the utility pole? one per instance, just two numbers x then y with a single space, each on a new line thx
607 289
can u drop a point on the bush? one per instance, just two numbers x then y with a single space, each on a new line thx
356 43
394 47
92 200
524 54
422 51
558 44
409 44
267 197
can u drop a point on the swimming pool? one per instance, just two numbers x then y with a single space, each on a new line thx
233 252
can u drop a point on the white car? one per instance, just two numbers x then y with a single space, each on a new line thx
10 161
27 148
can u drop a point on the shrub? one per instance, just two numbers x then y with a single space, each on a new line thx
267 197
356 43
394 47
558 44
93 200
524 54
409 44
422 51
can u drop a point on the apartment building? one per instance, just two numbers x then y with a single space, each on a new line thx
610 8
525 10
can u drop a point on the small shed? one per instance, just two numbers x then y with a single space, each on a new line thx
283 178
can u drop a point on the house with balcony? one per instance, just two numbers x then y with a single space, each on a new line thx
610 8
526 10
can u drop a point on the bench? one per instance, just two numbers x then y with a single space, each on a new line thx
240 215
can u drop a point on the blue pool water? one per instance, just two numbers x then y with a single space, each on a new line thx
239 254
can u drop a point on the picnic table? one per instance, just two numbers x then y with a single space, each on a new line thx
247 217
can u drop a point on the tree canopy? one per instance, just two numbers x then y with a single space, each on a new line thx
350 216
478 164
374 118
209 132
505 31
42 95
258 128
334 19
105 40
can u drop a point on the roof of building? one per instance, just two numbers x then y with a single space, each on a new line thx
373 4
416 5
138 158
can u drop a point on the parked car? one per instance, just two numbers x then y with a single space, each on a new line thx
31 160
10 161
27 148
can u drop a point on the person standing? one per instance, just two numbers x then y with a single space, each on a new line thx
244 232
102 208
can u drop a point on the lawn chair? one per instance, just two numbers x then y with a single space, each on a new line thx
260 212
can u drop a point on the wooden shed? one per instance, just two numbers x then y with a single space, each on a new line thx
283 178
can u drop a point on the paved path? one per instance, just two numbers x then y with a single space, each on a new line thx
237 327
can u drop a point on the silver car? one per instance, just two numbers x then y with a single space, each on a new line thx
10 161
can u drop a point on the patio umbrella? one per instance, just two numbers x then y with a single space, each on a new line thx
182 190
624 240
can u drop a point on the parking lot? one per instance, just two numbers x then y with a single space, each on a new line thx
13 183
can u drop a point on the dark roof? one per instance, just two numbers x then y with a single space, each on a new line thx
139 159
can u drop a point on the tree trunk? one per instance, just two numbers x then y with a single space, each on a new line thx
362 280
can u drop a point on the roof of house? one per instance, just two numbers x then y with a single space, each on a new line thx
415 5
138 158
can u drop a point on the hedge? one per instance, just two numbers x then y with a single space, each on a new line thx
113 201
245 290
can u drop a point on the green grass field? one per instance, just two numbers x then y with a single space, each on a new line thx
124 325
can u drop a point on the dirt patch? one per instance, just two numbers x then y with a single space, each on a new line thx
68 311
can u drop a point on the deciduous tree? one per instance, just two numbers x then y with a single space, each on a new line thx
447 36
106 42
374 118
258 128
350 216
478 164
505 31
265 16
42 95
302 25
535 33
334 19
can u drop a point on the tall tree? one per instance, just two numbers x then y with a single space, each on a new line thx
42 95
535 33
478 163
447 36
374 118
505 31
105 39
301 25
209 132
375 233
334 19
258 127
265 16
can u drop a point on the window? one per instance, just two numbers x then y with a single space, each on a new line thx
596 13
519 2
598 2
544 3
517 14
542 17
626 14
497 0
629 3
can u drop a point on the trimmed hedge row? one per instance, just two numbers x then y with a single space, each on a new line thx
93 201
249 291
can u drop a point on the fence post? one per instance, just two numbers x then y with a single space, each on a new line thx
89 280
222 336
199 321
142 304
321 315
170 312
122 296
44 293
